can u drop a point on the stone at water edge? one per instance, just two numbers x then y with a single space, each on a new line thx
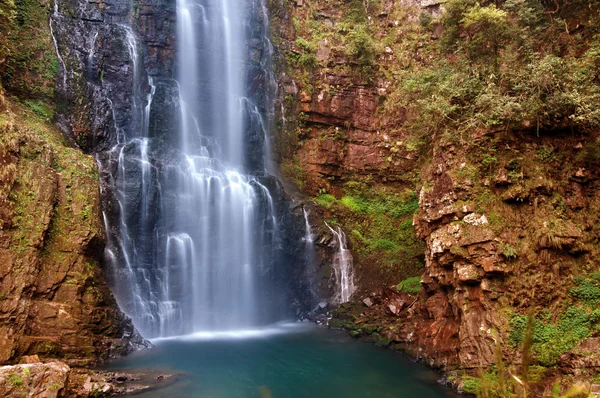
90 387
38 380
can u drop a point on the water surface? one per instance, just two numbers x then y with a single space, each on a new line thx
290 361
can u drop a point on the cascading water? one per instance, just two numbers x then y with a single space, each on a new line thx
310 256
342 267
198 229
56 15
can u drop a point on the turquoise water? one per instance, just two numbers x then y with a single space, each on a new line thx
292 361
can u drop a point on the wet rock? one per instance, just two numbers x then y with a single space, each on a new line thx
97 388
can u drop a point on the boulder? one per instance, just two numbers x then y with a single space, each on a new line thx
38 380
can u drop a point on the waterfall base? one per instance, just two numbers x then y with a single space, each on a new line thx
302 361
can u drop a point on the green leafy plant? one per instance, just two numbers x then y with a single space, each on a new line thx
410 285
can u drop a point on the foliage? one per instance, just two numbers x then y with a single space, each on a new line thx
357 13
325 200
551 341
15 380
7 18
292 170
471 385
40 108
498 65
381 204
27 58
362 50
410 285
307 58
487 29
381 227
590 154
508 251
587 290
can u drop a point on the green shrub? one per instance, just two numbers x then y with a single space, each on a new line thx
410 285
325 200
362 50
551 341
586 290
504 69
471 385
384 244
508 251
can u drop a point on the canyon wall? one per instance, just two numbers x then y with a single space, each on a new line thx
495 219
55 302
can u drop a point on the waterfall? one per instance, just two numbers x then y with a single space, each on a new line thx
311 257
56 15
308 236
342 267
198 230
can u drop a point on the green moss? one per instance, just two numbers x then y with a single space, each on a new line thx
410 285
380 221
384 244
325 200
471 385
15 380
587 290
550 341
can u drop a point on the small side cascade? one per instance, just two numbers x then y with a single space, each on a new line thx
56 15
308 236
311 256
342 267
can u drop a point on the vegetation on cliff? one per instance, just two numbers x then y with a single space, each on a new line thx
508 65
28 63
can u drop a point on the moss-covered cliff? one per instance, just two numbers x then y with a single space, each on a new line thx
457 141
54 300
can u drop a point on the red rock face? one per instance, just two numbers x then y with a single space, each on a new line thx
498 240
345 135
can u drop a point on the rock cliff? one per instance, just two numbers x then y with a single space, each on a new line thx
55 301
496 222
